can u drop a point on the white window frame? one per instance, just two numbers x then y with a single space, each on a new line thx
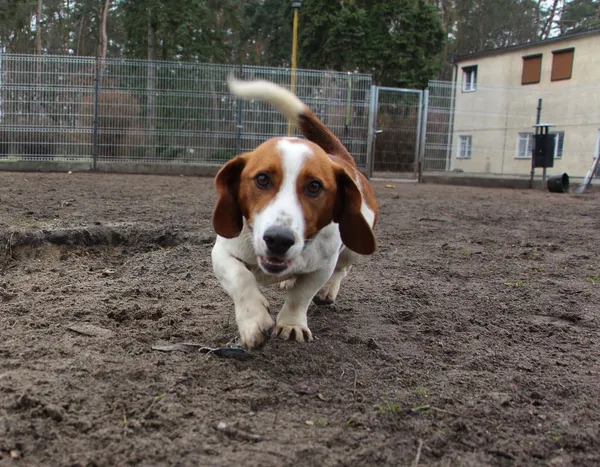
529 147
597 154
469 78
559 135
459 152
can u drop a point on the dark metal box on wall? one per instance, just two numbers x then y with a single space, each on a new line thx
543 150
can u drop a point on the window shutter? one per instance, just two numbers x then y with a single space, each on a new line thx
532 69
562 64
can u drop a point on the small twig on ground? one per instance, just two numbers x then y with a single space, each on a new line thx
433 219
417 458
90 330
423 408
234 432
9 246
437 409
354 385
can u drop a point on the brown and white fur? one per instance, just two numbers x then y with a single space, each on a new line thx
293 211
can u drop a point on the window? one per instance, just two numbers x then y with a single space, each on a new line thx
524 145
465 144
562 64
469 78
532 69
558 144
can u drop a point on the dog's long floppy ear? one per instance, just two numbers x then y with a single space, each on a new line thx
355 230
227 217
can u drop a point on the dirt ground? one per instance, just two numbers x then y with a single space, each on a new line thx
470 338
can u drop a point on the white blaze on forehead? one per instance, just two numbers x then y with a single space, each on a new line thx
285 209
286 206
293 152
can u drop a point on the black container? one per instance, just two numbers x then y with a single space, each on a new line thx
543 150
558 183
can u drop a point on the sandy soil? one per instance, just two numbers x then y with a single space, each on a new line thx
470 338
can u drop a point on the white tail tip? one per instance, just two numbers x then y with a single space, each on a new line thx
283 100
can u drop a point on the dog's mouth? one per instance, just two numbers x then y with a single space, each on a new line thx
273 265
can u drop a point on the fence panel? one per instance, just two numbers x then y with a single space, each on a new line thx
135 111
438 126
165 112
41 117
398 125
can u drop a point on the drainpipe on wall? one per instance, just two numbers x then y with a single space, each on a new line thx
505 136
451 124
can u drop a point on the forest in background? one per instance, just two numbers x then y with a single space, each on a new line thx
402 43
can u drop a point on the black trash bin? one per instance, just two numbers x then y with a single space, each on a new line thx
558 183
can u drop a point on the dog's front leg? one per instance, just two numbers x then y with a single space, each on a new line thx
292 322
251 307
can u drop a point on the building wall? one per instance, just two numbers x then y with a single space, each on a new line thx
501 107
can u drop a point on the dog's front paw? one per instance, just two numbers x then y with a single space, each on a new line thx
293 332
255 331
255 324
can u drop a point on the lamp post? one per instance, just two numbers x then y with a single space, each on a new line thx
296 4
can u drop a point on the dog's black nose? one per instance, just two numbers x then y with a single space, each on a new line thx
279 240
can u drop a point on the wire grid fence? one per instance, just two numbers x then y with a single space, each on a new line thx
438 126
490 130
76 109
399 121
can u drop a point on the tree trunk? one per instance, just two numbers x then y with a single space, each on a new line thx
38 63
80 40
38 28
448 9
151 86
103 44
538 17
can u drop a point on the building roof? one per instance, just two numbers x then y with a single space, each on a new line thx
512 48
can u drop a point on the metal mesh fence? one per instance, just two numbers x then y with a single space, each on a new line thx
40 107
490 130
399 121
73 109
438 126
68 108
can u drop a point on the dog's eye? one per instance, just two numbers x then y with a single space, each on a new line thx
262 181
314 188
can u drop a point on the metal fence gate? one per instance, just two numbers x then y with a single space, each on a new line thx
397 130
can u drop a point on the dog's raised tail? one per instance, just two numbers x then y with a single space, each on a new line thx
288 104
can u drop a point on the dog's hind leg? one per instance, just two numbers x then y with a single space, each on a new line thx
329 292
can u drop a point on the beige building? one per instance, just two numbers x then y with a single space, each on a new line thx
496 99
